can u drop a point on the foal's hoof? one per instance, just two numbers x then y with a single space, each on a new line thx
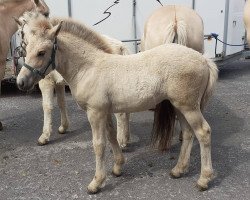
42 142
93 190
201 187
62 130
175 175
1 126
116 173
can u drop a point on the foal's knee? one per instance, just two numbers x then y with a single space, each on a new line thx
99 147
204 134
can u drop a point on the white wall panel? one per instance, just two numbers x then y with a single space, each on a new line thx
236 29
119 25
58 7
213 18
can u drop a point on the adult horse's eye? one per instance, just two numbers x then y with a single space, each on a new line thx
41 53
46 14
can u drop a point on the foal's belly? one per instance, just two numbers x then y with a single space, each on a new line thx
136 101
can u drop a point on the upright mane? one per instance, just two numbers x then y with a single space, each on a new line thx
70 26
9 1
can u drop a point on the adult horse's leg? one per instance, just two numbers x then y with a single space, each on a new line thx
102 128
123 135
202 131
187 143
2 69
1 126
60 93
47 89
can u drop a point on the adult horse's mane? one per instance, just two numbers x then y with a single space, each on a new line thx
70 26
9 1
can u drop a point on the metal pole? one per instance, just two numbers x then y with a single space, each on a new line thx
225 27
69 8
134 20
193 5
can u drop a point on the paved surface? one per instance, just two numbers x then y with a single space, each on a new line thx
63 168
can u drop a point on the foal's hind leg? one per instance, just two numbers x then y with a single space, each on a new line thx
118 156
187 143
122 129
47 89
203 133
60 93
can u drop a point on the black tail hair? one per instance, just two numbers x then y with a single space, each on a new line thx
163 127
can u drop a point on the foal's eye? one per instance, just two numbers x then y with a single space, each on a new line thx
41 53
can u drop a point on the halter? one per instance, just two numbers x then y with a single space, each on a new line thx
42 71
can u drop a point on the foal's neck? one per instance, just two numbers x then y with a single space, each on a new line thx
75 56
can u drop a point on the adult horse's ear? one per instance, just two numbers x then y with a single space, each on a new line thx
36 2
55 30
18 21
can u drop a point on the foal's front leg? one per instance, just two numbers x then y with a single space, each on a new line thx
101 129
60 93
47 89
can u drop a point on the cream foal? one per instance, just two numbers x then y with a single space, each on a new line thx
172 78
54 81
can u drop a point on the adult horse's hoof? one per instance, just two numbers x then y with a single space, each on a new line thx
1 126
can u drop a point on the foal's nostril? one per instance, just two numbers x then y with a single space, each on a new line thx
20 83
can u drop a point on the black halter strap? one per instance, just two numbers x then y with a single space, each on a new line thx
52 61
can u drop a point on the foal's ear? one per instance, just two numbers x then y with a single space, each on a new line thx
18 21
55 30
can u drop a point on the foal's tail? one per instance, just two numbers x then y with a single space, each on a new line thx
213 76
163 127
176 32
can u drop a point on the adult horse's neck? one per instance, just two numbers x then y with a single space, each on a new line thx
13 9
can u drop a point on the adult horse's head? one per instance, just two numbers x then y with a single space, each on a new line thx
41 45
41 7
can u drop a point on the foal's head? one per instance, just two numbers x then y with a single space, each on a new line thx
40 38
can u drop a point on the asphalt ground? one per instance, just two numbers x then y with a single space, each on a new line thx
63 168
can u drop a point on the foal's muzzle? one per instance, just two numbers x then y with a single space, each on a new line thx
25 84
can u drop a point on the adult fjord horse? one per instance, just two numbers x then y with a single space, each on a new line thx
173 78
8 10
247 19
174 24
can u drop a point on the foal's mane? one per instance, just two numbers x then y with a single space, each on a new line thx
38 21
